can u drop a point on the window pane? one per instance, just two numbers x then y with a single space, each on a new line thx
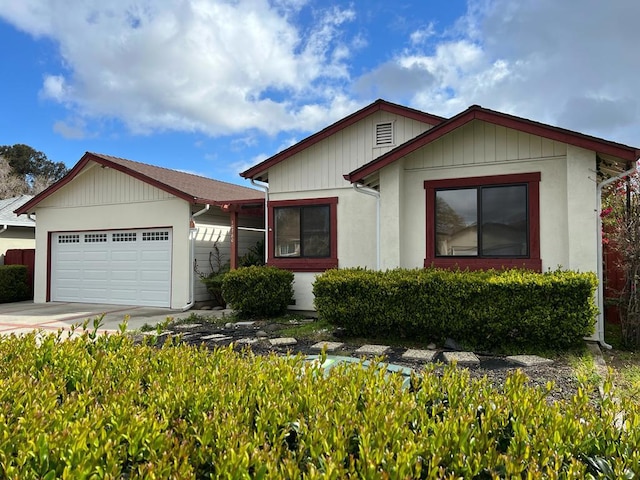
504 221
316 238
457 222
287 232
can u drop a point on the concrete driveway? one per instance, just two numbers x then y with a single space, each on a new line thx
23 317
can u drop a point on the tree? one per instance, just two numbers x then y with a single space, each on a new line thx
35 170
11 185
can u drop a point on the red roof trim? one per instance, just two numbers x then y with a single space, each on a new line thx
88 156
476 112
340 125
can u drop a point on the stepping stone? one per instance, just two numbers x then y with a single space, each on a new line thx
187 326
216 337
282 341
245 324
529 360
185 336
373 349
461 358
330 346
423 355
247 341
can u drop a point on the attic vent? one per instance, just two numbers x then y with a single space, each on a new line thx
384 133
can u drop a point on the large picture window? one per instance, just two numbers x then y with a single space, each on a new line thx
303 234
484 222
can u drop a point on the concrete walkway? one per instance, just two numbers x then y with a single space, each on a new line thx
24 317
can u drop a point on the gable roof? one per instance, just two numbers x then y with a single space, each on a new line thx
189 187
378 105
475 112
7 207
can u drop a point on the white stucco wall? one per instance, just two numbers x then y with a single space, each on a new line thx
356 222
172 213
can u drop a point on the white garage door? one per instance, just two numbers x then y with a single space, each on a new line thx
128 267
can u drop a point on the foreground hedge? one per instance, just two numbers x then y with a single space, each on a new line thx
258 291
484 308
106 408
14 284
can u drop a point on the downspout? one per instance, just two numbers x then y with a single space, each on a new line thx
374 193
265 187
600 321
193 233
4 229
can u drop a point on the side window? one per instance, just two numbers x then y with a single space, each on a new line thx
303 234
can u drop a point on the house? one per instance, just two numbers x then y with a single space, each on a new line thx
390 186
115 231
16 232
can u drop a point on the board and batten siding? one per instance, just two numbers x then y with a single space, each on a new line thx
322 166
97 185
480 142
215 226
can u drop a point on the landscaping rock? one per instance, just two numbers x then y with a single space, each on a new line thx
282 341
451 344
461 358
373 349
261 334
423 355
229 325
529 360
245 324
247 341
431 346
330 346
188 326
216 337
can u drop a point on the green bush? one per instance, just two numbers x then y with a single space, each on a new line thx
258 291
14 285
213 282
485 309
102 407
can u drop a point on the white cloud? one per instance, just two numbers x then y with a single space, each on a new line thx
72 128
570 62
212 66
421 35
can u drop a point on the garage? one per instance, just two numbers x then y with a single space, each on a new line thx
122 267
115 231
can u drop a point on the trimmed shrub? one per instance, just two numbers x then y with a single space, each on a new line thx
483 308
14 284
257 291
102 407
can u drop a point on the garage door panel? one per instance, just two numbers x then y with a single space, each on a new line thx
95 256
126 268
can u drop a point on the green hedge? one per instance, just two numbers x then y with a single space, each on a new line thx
258 291
106 408
14 285
485 308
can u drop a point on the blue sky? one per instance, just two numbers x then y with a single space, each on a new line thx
212 87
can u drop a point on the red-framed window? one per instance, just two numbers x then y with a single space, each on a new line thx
303 234
484 222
